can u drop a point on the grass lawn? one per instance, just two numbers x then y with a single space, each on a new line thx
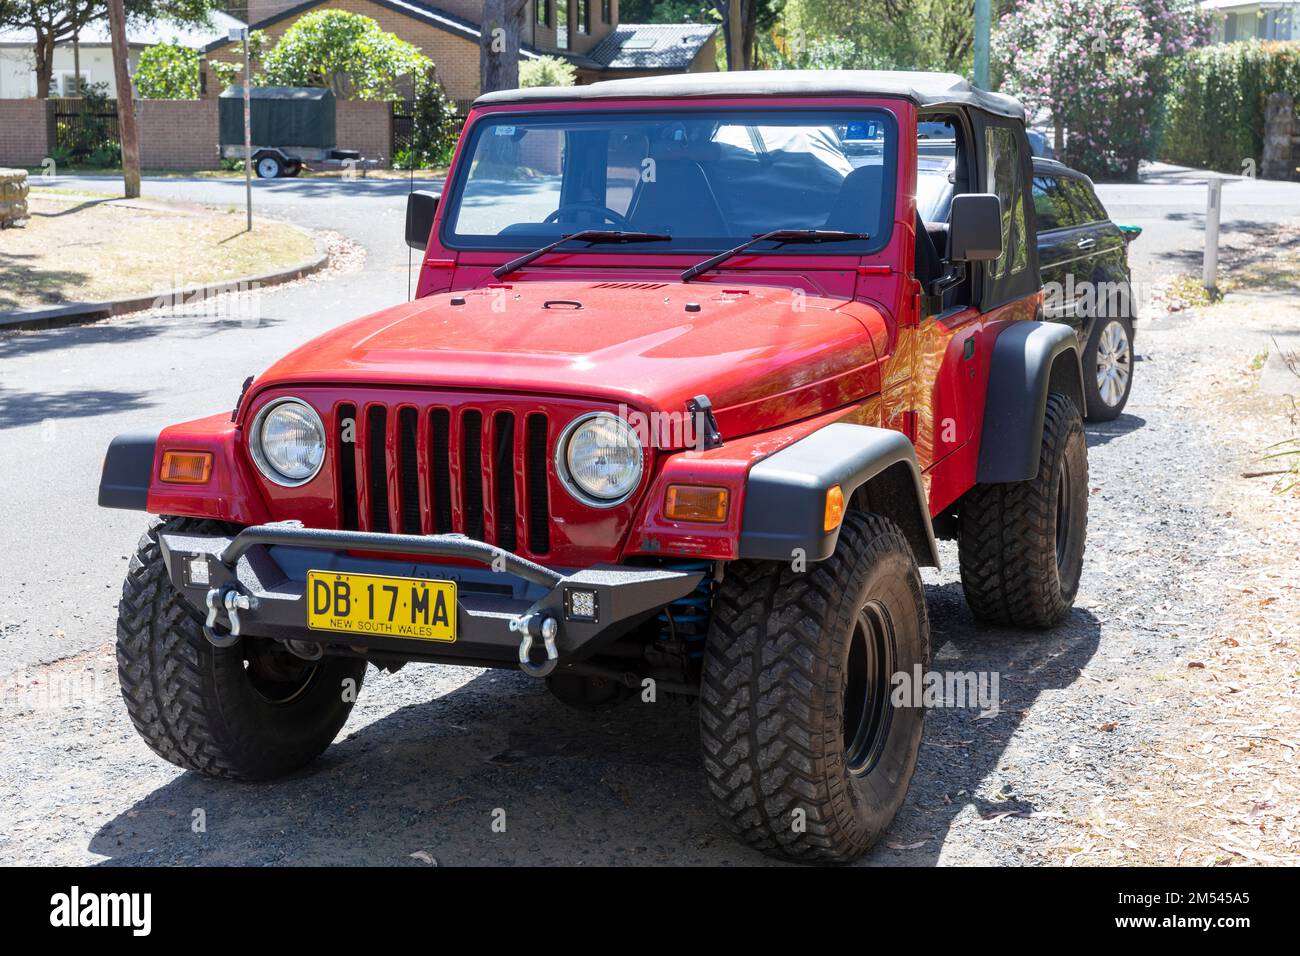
96 250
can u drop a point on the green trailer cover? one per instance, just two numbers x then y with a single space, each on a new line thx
281 116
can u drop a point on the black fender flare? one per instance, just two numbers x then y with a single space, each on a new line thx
1030 359
785 493
128 469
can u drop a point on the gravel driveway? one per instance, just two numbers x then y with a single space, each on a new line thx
431 755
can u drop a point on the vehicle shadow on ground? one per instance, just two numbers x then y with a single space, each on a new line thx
620 787
1101 433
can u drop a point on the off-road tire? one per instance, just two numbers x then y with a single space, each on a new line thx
775 686
1118 340
1020 543
196 705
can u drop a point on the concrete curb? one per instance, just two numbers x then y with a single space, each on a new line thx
80 313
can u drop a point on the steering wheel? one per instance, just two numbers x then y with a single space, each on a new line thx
607 214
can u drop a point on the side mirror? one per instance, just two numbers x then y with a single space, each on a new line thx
421 206
975 228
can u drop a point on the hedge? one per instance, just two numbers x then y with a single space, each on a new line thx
1214 110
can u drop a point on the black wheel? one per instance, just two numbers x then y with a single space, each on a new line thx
805 754
248 712
1108 368
292 168
587 693
1020 543
268 167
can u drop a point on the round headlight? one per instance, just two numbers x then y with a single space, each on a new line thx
599 457
288 442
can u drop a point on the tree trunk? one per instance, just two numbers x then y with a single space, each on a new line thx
735 36
44 64
499 46
125 102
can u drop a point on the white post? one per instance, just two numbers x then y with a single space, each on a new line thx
1210 271
248 132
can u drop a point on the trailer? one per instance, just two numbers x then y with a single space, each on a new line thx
291 127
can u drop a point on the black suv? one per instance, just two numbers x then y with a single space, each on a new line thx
1083 259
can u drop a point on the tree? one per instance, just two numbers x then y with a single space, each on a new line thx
498 47
167 71
346 52
1098 69
879 34
125 103
755 15
547 71
54 21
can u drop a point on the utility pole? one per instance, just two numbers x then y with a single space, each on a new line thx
125 102
241 33
983 25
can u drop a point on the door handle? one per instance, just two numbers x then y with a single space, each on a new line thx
1086 243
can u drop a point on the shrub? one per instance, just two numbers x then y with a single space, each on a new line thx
1098 69
346 52
435 125
1214 110
547 71
168 71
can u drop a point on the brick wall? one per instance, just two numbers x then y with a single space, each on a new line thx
366 126
25 125
455 56
178 134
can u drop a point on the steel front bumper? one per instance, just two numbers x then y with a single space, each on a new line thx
510 611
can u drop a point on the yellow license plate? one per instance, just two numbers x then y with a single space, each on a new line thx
381 606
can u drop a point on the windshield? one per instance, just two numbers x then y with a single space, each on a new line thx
708 179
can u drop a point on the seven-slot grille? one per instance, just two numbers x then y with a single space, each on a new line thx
477 471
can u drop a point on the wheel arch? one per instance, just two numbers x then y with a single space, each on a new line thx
785 494
1030 360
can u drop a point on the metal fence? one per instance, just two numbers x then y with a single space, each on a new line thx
84 127
404 114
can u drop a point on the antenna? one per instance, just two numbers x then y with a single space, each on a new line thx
410 156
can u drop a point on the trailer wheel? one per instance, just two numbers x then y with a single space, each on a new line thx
269 166
292 168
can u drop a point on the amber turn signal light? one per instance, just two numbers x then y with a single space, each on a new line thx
186 467
834 508
696 503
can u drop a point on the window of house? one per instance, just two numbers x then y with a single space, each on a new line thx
562 25
584 17
1002 161
542 16
605 12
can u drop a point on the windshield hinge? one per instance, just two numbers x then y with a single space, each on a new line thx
706 426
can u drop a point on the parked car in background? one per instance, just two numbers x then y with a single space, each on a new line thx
1083 260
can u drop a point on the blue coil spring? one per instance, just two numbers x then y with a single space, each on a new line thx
687 618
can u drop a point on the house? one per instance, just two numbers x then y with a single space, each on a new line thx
585 32
93 53
1254 19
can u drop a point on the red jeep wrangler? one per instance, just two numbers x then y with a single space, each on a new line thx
686 394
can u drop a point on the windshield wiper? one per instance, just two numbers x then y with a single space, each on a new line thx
776 235
588 235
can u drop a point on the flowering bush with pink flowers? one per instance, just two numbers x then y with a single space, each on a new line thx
1095 70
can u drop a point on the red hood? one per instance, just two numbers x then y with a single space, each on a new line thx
763 355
